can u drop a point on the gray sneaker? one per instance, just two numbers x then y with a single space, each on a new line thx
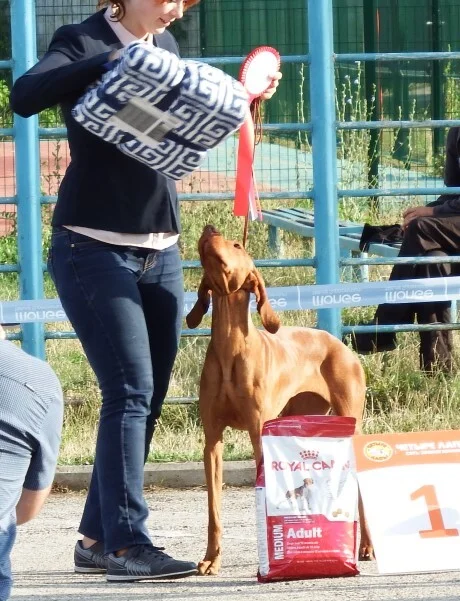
91 560
145 562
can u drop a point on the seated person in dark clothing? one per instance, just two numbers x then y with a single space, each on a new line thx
431 230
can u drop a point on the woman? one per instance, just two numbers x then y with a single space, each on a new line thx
115 262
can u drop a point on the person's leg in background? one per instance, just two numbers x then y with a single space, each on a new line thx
436 346
7 538
437 236
14 463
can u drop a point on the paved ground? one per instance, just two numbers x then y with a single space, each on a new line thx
42 559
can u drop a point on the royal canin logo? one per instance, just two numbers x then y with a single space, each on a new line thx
309 454
309 460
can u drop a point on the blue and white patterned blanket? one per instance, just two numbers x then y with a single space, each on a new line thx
163 111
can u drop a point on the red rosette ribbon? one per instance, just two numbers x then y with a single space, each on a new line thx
256 74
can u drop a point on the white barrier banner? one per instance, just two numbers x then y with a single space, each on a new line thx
287 298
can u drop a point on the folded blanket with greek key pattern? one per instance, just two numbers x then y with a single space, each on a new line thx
161 110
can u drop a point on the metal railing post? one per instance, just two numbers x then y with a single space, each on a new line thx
323 120
24 54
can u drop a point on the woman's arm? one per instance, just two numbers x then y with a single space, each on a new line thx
64 71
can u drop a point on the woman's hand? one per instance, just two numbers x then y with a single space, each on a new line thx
272 88
414 212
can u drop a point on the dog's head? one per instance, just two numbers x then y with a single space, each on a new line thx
227 269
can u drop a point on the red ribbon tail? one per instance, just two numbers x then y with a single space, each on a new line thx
245 189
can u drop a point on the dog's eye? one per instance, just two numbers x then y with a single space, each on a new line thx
237 245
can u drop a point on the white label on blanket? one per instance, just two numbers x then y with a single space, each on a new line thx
145 121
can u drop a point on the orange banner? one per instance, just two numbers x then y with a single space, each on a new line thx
410 448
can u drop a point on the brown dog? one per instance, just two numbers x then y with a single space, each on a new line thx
251 376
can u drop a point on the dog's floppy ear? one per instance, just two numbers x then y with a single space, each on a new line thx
200 308
270 320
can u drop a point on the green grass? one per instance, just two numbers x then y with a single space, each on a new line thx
399 397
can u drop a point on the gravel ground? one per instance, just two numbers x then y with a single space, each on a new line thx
42 559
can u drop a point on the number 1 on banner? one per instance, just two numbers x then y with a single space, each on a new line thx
438 529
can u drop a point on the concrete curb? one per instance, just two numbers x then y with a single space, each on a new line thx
170 475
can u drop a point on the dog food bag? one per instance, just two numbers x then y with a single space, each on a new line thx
307 499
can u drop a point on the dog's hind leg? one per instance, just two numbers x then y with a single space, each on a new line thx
213 449
366 548
348 397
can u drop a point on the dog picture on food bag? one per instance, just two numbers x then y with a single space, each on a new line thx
301 496
309 482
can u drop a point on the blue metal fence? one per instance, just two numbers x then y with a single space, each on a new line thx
323 127
27 177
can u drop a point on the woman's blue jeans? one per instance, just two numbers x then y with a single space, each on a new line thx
126 306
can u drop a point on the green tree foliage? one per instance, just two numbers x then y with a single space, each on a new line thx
5 30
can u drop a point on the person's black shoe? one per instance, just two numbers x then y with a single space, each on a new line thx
366 343
91 560
145 562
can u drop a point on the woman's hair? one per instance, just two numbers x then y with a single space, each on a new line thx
118 7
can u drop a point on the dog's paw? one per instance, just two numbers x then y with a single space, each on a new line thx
209 567
366 552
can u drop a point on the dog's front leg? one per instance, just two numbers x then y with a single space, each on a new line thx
213 470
